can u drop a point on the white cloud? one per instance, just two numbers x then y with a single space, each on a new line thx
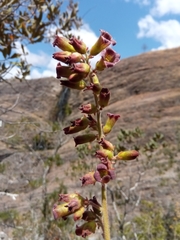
86 34
163 7
165 32
140 2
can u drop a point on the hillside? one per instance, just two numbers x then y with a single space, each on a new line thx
145 91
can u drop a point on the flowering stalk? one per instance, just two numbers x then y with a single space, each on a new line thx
79 75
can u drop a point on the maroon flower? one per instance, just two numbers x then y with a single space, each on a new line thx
77 125
103 174
88 179
104 97
78 45
63 71
108 59
112 118
103 41
88 108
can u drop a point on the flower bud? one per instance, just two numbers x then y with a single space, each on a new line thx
84 138
78 45
112 118
63 44
68 57
127 155
88 108
80 85
95 85
103 41
104 97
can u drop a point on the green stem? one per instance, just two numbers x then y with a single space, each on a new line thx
106 227
105 213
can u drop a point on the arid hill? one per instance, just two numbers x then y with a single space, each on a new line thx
145 91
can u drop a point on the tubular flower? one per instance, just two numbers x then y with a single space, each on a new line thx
63 71
78 45
68 57
84 138
77 125
104 97
127 155
112 118
79 71
86 229
103 42
63 44
108 59
88 178
80 85
88 108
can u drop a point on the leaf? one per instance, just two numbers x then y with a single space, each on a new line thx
15 55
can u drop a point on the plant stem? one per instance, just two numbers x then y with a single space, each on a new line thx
105 213
104 208
99 124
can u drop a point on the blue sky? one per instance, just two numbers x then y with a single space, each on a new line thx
132 23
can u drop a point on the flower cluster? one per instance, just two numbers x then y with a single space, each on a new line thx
74 71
